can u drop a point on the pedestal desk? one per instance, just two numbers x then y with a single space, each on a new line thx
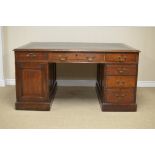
117 68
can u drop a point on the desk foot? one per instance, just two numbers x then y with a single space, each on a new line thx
112 107
119 108
32 106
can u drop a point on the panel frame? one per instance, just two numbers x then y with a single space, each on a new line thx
19 81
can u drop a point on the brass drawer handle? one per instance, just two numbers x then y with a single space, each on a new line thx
120 83
120 95
63 58
90 58
31 55
122 70
121 58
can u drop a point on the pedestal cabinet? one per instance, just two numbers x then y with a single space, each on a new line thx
117 82
35 85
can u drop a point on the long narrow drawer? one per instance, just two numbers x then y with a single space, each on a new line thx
21 56
122 58
120 81
120 69
119 96
75 57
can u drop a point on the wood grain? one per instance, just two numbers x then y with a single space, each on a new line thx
117 68
120 69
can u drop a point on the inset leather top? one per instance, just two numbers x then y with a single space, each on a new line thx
76 46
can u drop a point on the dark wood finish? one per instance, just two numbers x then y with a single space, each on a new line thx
30 56
117 67
75 57
37 106
100 75
120 81
119 96
121 69
31 81
110 107
121 57
117 91
35 85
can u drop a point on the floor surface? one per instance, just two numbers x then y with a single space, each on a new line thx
77 107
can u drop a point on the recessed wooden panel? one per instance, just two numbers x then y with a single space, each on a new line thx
32 81
32 85
120 81
119 96
121 57
120 69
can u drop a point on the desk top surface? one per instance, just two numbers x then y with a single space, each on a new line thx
76 46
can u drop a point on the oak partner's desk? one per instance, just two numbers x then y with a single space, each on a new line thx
117 66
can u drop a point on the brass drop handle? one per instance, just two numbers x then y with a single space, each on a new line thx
90 58
31 55
63 58
120 95
121 59
121 70
121 83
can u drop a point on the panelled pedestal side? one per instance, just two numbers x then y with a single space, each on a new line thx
35 81
117 82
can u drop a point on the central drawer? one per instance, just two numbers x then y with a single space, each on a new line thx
120 81
75 57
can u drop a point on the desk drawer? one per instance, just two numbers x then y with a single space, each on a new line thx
30 56
75 57
120 69
121 58
119 96
120 81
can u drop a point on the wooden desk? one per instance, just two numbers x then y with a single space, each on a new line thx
117 68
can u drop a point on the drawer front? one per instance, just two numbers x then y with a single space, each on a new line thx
120 81
30 56
120 96
121 69
75 57
121 58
